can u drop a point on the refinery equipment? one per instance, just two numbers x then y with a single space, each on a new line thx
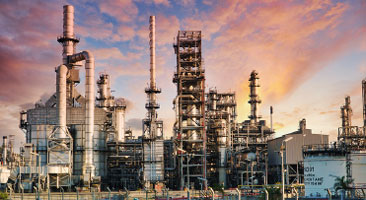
189 126
153 142
9 160
81 140
220 119
76 141
347 157
249 157
293 158
68 133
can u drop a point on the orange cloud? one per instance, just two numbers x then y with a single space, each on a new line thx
286 43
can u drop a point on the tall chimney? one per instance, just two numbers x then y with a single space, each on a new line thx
152 58
68 39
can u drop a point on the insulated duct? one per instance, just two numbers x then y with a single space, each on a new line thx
61 99
88 167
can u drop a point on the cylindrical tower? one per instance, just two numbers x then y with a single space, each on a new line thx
119 123
68 39
254 99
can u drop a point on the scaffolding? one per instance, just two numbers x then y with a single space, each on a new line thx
189 129
124 164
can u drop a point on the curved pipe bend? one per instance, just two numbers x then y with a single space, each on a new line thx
88 166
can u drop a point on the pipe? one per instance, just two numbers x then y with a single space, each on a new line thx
88 166
5 149
239 193
297 193
267 194
61 99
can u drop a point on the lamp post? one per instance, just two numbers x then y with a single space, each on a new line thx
282 165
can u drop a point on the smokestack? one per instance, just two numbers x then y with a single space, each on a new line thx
254 99
68 39
152 54
5 149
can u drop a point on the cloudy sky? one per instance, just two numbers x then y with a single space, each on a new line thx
309 54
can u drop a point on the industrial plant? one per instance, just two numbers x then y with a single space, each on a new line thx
79 142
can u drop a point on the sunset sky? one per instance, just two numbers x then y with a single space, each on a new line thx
309 54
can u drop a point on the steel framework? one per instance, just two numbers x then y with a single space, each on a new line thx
189 129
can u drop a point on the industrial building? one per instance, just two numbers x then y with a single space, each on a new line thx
291 145
79 141
74 141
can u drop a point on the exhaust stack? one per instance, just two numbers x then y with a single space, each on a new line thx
68 39
152 54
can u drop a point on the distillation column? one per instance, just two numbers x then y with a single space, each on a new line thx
346 112
254 99
152 127
189 129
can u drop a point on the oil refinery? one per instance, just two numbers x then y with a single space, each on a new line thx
80 142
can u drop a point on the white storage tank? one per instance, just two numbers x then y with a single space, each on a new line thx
322 165
358 167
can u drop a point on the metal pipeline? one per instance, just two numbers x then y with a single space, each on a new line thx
61 99
88 167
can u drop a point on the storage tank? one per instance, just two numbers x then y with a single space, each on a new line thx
358 166
322 165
